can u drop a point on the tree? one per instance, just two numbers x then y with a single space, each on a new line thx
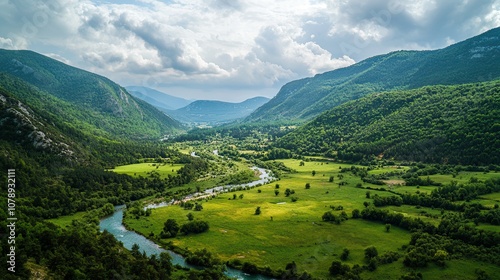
345 254
356 214
276 192
337 268
190 216
440 256
241 196
366 204
277 186
331 179
371 252
198 207
368 194
308 186
387 227
313 172
194 227
170 228
301 163
257 210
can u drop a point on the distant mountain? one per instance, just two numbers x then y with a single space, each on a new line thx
157 98
74 99
474 60
216 112
440 124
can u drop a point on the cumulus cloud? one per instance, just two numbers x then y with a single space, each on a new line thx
229 44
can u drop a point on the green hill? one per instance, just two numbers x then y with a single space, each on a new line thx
444 124
216 112
473 60
80 99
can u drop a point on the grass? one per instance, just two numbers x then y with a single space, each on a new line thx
289 231
145 169
65 221
454 269
295 232
462 177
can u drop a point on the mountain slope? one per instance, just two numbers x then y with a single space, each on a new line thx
79 98
158 98
473 60
216 112
454 124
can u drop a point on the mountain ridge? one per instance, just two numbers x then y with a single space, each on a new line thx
216 112
455 124
88 101
157 98
471 60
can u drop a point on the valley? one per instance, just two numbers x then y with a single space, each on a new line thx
385 169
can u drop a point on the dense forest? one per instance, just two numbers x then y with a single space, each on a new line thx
443 124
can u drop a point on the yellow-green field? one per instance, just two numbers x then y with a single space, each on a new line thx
287 231
65 221
145 169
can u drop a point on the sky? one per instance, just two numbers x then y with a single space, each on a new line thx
232 49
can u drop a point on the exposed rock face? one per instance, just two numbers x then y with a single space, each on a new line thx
19 122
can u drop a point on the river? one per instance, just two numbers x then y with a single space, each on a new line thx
114 225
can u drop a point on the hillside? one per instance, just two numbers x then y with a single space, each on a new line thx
79 99
472 60
157 98
216 112
443 124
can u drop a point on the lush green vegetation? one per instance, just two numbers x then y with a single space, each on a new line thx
443 124
149 169
80 100
287 231
306 98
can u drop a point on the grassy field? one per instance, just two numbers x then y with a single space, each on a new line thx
462 177
287 231
145 169
65 221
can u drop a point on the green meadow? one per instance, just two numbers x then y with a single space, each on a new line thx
287 231
146 169
65 221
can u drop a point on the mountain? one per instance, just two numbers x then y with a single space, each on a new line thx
216 112
472 60
157 98
456 124
79 100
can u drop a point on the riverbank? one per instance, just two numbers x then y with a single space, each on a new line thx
153 245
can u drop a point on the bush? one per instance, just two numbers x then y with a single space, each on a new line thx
194 227
371 252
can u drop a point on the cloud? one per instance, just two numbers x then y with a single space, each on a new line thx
275 44
233 44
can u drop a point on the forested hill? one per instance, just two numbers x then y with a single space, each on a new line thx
443 124
80 99
216 112
472 60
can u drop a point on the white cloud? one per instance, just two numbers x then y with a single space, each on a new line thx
229 44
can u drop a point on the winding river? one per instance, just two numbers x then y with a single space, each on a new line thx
114 225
